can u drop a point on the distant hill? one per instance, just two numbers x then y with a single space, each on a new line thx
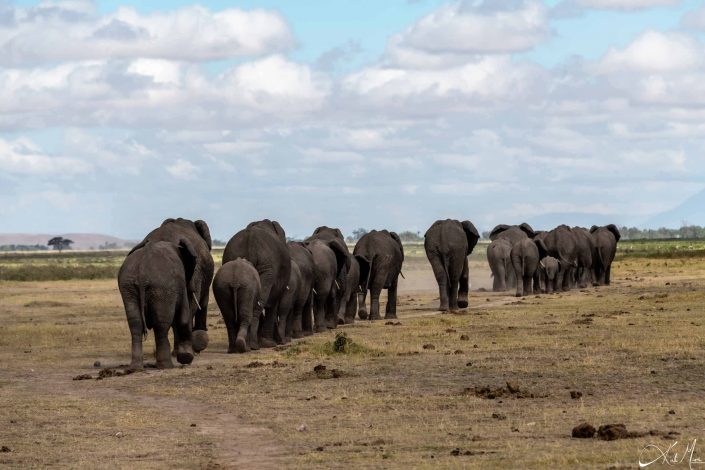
82 241
690 212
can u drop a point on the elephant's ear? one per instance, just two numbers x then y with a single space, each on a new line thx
341 254
204 232
396 238
138 246
543 252
188 257
471 234
615 231
497 230
339 233
594 229
365 267
526 228
279 230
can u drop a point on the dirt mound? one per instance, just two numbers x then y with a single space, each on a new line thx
613 432
510 390
46 304
322 372
583 431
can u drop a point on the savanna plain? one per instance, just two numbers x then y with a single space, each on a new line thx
499 385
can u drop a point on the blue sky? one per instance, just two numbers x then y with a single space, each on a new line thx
116 115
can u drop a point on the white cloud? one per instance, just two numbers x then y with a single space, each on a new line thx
23 157
654 51
71 31
626 4
182 169
471 27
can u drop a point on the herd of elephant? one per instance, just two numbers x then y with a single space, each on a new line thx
270 291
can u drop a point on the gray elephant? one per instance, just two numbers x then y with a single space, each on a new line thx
237 291
448 243
348 279
605 241
562 245
295 296
329 258
199 236
585 247
526 256
299 319
380 255
263 243
548 274
499 258
154 285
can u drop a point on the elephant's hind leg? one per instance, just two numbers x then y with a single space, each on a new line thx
441 278
464 285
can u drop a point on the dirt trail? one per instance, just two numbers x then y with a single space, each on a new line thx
235 444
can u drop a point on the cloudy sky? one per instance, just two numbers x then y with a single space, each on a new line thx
115 115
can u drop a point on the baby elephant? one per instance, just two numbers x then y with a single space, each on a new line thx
548 272
237 290
526 255
153 282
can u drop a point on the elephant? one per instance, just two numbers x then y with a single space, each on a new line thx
329 259
605 240
199 236
448 243
562 245
154 284
347 280
263 243
548 273
295 297
237 291
498 256
380 255
300 313
585 252
526 255
513 233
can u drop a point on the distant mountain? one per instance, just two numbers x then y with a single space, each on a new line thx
691 212
552 220
82 241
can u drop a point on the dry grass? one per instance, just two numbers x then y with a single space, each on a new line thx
403 397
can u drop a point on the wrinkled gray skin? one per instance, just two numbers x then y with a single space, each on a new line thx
511 234
585 247
329 258
498 256
548 272
561 244
294 294
448 243
199 236
380 255
263 243
605 241
153 282
299 318
526 255
348 278
237 288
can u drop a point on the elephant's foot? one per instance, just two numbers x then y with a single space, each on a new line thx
341 321
136 365
443 308
375 317
267 342
518 294
253 344
165 364
240 346
184 353
297 334
390 316
308 332
332 324
463 303
199 340
321 328
287 339
362 313
349 320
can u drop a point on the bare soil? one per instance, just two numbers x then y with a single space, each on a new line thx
503 385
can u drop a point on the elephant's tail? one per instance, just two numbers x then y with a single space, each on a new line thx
235 303
143 302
